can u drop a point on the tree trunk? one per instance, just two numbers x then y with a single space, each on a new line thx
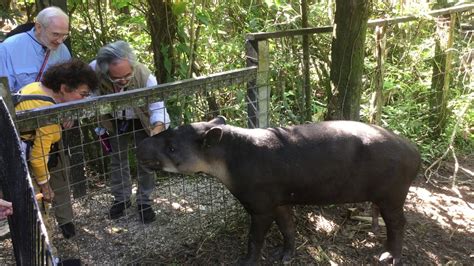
163 28
306 80
441 68
347 59
41 4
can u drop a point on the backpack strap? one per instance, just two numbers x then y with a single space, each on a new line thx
18 98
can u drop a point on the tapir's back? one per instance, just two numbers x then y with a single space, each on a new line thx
340 161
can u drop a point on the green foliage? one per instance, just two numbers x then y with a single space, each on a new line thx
214 35
95 23
407 81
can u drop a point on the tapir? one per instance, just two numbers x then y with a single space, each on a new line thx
269 170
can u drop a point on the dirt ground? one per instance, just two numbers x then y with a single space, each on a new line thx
200 223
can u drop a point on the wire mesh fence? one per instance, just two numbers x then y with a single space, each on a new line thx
187 207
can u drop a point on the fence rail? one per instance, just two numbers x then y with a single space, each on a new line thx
31 119
260 36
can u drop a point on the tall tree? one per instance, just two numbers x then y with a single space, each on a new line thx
163 27
41 4
441 69
347 59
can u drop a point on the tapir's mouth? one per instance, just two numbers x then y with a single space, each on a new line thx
151 164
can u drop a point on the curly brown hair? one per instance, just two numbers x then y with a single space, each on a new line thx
71 73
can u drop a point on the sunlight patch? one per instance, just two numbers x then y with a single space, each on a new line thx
322 224
182 205
448 211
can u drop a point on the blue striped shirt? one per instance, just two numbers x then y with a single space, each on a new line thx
21 57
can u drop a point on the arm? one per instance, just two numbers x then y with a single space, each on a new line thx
44 138
159 117
6 209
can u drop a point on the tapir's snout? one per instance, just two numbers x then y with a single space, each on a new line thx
146 155
151 164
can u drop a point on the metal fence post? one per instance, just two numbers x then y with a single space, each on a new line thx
6 95
258 91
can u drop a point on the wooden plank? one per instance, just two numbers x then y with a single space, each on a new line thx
372 23
287 33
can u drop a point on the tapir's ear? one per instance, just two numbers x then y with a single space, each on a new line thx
220 120
212 137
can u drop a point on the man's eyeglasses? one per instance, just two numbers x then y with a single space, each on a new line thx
56 35
121 80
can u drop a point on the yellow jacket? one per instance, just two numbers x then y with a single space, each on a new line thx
43 138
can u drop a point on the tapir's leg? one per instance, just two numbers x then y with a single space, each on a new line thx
395 222
375 217
260 223
286 224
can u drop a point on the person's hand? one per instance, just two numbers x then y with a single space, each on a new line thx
157 128
6 209
47 191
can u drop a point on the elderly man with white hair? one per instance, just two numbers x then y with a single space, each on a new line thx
24 57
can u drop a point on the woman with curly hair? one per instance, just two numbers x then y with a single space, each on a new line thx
68 81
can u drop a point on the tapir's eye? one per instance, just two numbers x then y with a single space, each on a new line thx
171 148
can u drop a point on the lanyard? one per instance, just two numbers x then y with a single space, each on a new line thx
43 66
46 56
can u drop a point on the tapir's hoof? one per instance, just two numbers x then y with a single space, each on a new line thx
285 256
387 257
376 229
286 259
248 261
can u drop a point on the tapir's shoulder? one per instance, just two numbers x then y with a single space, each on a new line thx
255 136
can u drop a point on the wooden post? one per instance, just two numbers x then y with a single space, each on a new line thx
376 102
306 79
252 60
441 73
262 83
258 91
5 94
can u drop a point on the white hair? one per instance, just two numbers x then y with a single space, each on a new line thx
112 52
44 16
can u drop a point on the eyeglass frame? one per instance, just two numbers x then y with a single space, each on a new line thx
84 95
128 78
56 35
76 90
